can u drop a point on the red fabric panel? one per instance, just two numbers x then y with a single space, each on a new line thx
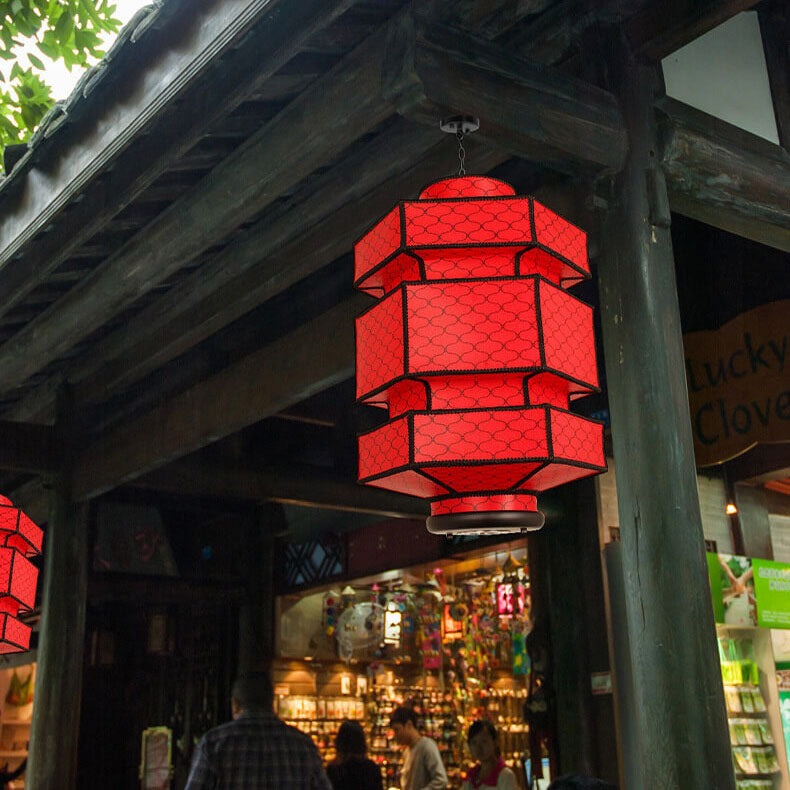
558 474
407 395
16 529
380 344
576 438
467 186
538 261
385 448
568 336
546 388
18 577
478 504
560 236
480 435
463 326
14 635
482 478
409 482
377 244
468 222
476 392
464 263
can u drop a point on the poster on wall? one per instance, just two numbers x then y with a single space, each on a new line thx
749 592
732 586
772 590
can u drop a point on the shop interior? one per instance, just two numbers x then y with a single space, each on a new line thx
449 639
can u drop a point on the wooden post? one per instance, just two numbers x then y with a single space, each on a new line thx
682 735
256 615
52 758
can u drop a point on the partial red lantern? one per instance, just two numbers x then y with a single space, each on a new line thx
475 348
20 539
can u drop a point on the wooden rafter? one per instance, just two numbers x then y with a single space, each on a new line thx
433 71
174 93
728 178
307 486
292 145
316 356
326 219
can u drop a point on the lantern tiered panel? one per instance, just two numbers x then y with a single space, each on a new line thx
476 349
20 539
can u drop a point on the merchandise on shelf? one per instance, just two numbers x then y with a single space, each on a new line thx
753 752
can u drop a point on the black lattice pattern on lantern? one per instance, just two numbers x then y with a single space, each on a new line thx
475 348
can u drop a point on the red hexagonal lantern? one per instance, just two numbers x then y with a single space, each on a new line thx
475 348
20 538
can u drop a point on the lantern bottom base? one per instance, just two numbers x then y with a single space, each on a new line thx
499 522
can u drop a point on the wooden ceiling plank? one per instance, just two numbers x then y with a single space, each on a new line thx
307 486
313 357
176 93
319 124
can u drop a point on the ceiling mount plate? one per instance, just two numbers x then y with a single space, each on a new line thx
466 124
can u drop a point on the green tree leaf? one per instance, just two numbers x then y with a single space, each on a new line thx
69 31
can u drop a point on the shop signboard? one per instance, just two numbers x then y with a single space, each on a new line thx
509 599
750 592
737 380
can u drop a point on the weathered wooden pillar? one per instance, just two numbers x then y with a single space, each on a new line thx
256 616
682 733
52 757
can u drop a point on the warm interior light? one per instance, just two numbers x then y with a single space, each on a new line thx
731 509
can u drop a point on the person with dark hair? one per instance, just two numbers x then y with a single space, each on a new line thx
578 782
256 751
352 770
423 768
490 770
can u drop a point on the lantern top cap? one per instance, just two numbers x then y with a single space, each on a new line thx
466 187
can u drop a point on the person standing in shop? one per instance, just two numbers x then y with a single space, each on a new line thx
490 770
256 751
352 770
423 768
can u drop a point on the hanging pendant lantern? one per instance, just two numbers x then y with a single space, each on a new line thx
475 349
20 539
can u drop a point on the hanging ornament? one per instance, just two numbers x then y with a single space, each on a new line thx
20 539
475 348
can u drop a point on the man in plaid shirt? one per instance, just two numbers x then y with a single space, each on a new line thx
256 751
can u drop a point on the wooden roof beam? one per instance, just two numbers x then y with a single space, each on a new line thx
724 176
432 71
307 486
311 130
313 357
26 447
176 92
661 28
324 222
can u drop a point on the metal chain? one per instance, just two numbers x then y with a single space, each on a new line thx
461 153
